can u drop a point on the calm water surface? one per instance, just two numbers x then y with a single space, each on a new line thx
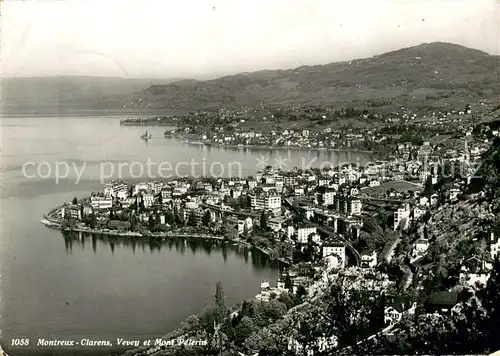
77 286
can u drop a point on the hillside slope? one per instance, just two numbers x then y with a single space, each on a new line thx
428 71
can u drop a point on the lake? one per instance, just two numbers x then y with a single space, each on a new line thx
72 287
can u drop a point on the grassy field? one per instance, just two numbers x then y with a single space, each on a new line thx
400 186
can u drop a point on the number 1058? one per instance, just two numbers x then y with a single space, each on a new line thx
20 342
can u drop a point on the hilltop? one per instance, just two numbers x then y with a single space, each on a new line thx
427 72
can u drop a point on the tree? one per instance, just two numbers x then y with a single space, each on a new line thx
75 201
246 309
288 282
192 218
92 221
267 312
207 218
346 310
133 222
243 330
429 187
220 306
152 222
245 231
286 300
169 217
263 221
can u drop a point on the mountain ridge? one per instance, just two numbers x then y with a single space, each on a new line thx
431 74
427 70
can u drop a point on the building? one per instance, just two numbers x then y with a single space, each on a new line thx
303 234
417 213
420 247
494 246
73 211
402 217
354 207
474 273
374 183
396 307
166 194
126 203
276 223
268 293
441 302
122 194
194 216
139 187
101 202
245 224
265 201
334 254
87 210
148 199
323 181
328 198
369 259
299 191
454 193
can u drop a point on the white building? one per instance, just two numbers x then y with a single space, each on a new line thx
334 254
100 202
454 193
148 199
417 213
396 307
138 187
122 194
127 202
419 247
323 181
303 234
494 246
108 190
245 224
72 210
374 183
402 217
328 198
355 207
369 260
269 201
299 191
474 273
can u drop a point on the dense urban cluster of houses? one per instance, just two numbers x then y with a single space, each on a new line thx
233 129
298 205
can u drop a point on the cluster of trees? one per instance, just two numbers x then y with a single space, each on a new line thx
473 331
228 330
376 232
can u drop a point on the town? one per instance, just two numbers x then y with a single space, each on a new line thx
410 228
322 128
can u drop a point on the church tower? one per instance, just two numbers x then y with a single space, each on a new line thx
466 151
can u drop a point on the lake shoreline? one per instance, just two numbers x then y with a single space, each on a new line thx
57 226
282 148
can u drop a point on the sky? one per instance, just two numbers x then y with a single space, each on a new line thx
206 38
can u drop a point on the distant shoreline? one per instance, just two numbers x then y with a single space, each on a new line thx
347 149
92 113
